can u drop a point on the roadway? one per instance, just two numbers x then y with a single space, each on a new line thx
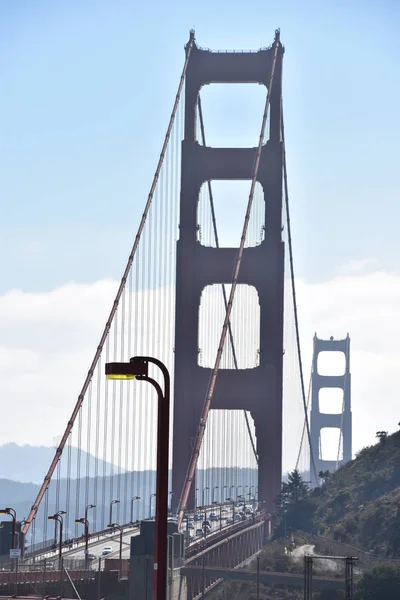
113 539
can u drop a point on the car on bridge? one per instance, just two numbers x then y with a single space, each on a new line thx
107 550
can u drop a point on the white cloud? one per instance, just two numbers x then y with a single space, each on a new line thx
47 341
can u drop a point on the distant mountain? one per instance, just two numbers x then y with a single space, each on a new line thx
29 464
72 495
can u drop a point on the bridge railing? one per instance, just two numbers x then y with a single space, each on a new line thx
215 536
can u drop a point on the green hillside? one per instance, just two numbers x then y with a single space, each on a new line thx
359 503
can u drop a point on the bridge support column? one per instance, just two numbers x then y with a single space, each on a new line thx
341 420
258 390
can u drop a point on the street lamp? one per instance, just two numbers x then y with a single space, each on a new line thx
222 493
205 511
110 520
246 487
220 513
85 522
13 514
89 506
216 487
138 367
233 508
58 518
60 512
121 531
202 497
151 496
244 502
132 501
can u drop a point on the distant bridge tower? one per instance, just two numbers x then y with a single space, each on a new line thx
341 420
258 390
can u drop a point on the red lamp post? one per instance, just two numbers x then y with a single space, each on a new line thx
137 368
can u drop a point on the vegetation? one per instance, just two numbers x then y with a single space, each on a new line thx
295 508
358 505
382 582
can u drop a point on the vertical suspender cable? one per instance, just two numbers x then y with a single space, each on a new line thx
293 285
104 336
238 262
304 424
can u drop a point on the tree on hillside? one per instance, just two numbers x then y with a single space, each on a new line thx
382 436
324 475
294 489
394 542
382 582
294 505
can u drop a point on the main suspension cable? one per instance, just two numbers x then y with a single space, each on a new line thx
215 231
296 318
206 407
121 288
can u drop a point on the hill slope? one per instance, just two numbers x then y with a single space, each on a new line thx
359 503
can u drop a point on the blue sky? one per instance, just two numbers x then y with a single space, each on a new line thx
87 90
87 87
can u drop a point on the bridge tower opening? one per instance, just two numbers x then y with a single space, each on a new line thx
259 389
342 419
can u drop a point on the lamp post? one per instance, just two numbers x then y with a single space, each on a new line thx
246 487
87 508
13 514
58 518
216 487
151 496
121 531
251 502
132 501
110 519
233 508
138 367
222 493
85 522
202 497
243 497
59 513
220 514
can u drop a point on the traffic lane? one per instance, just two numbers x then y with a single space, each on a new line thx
96 548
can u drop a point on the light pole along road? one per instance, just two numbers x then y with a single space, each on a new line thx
138 367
